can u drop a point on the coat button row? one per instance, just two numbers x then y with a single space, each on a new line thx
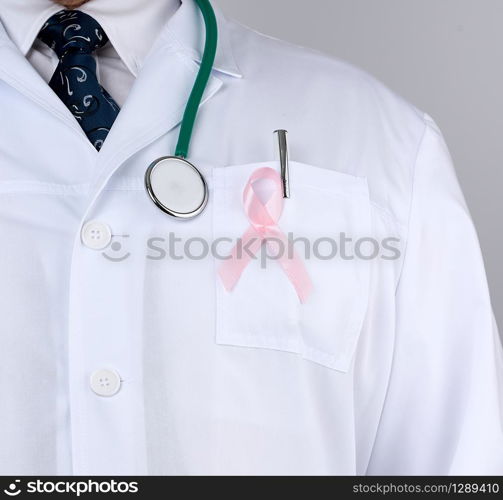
105 382
96 235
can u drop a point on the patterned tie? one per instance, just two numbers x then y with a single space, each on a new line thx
74 36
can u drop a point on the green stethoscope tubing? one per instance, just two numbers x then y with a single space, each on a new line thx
203 76
160 169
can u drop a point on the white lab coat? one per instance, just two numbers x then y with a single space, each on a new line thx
391 367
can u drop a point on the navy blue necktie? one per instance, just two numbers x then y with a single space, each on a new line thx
74 36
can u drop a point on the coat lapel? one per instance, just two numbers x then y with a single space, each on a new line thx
16 71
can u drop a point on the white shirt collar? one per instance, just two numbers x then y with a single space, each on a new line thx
22 21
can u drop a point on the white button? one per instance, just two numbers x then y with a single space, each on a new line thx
96 235
105 382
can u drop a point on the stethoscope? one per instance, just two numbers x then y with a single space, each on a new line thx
175 185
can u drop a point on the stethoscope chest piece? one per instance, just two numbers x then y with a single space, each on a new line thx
176 187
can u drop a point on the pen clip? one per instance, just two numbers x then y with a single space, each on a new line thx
284 161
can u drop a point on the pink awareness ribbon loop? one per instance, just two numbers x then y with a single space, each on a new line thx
264 220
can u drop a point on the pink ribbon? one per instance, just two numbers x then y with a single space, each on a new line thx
264 226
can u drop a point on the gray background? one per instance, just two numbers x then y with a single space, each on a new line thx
445 56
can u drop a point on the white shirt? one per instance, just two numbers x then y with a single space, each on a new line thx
390 367
131 26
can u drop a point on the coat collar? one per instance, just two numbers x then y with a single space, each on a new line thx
156 102
187 28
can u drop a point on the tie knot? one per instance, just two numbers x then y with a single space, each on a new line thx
72 31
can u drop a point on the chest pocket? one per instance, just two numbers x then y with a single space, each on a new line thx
328 219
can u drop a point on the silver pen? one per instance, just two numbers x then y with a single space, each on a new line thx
284 163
